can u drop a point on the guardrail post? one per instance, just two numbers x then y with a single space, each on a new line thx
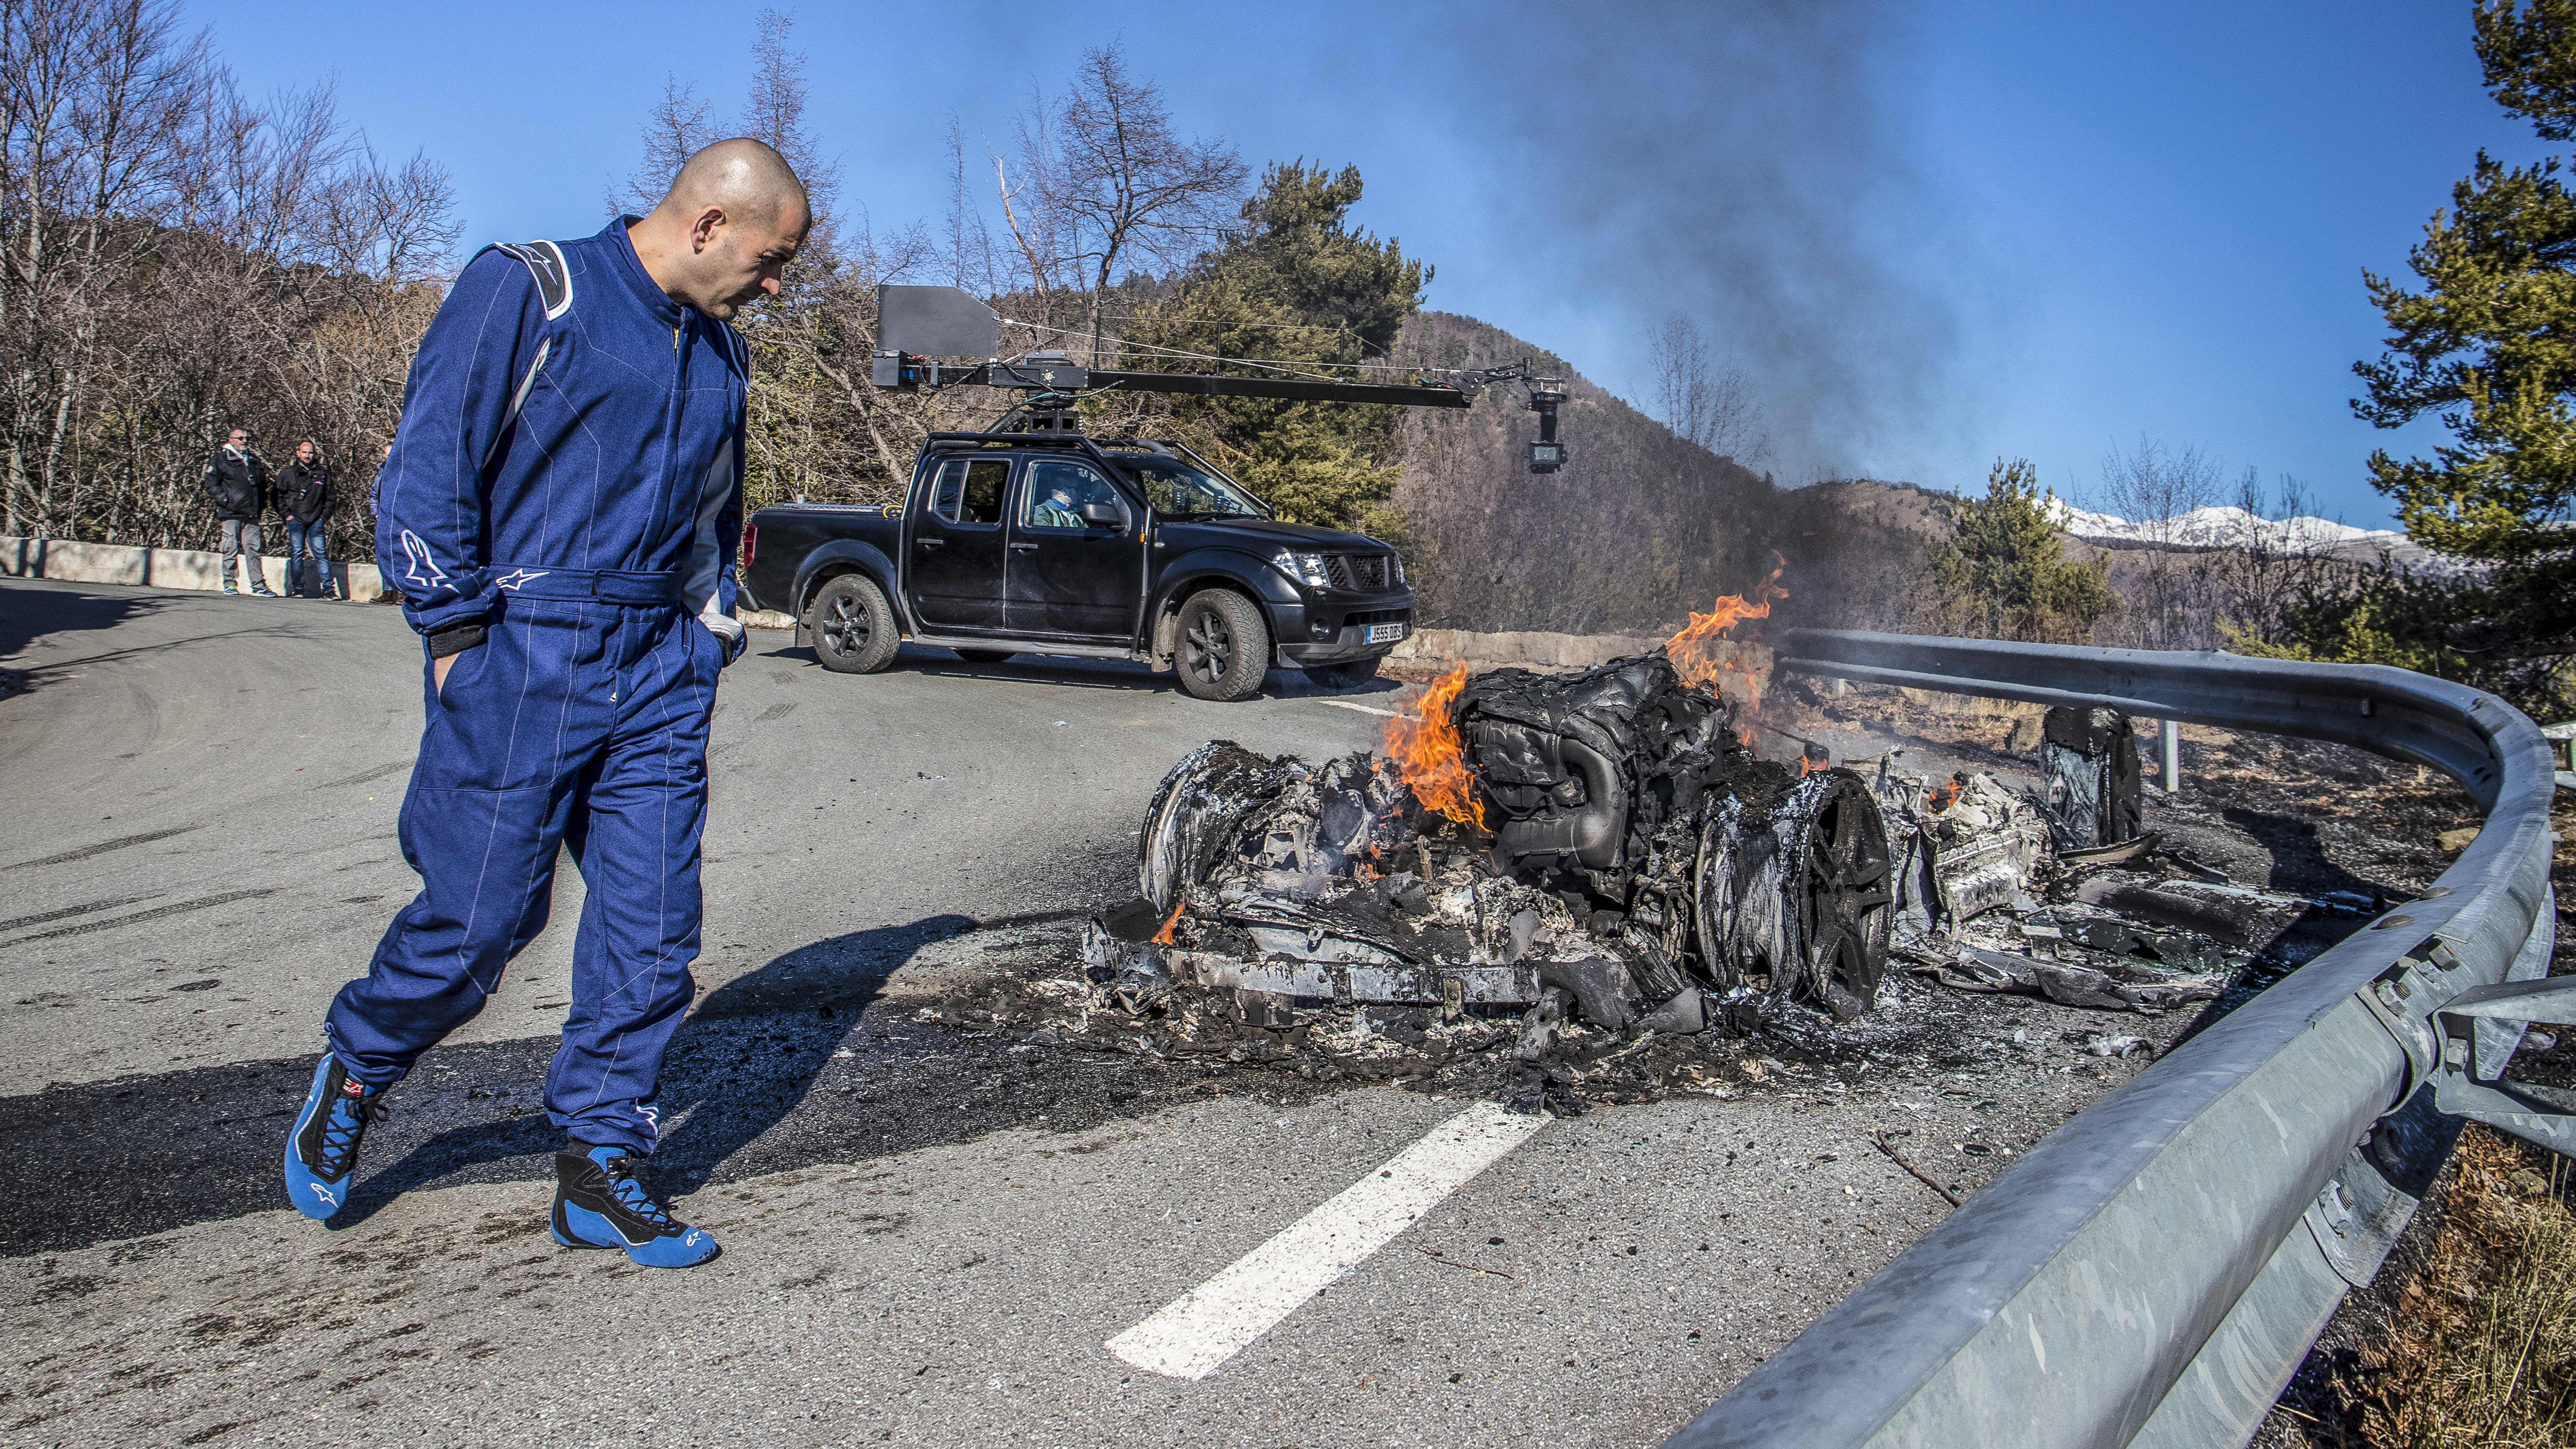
2168 755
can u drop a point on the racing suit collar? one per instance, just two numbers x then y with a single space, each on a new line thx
630 269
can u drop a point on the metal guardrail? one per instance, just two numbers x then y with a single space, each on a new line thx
2153 1272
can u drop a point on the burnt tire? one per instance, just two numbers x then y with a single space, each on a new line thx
1796 893
1223 646
983 656
852 626
1343 676
1195 815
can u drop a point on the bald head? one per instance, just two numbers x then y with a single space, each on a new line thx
732 220
742 175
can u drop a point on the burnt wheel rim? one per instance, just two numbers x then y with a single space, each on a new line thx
845 625
1844 885
1207 646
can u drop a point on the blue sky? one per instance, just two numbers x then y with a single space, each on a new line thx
1934 234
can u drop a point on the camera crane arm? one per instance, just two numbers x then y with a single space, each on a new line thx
915 324
1044 376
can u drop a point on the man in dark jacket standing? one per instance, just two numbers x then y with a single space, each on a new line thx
238 482
304 495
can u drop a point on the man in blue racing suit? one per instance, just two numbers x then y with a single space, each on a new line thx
560 510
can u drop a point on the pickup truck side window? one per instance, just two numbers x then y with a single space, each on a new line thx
1178 490
1057 491
970 490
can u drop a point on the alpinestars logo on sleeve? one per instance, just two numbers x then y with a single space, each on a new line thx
418 552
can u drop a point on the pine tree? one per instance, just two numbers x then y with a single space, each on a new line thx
2488 345
1298 285
2003 572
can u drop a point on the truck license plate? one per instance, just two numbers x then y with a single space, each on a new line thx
1385 633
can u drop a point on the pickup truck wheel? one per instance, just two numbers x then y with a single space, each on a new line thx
983 656
1343 676
1224 646
852 626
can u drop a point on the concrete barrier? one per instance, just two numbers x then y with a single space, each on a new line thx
1429 653
161 568
1528 650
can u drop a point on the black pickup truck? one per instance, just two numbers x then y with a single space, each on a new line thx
1056 543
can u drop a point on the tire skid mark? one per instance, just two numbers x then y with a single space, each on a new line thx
42 917
102 848
363 776
159 913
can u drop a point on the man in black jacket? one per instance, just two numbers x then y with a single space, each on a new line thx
304 495
238 482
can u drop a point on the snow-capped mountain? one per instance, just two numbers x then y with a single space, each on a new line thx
2221 528
2236 528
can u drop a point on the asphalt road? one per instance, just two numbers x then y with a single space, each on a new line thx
929 1235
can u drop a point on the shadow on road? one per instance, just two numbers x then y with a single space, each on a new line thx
2299 860
799 1063
31 613
1079 673
738 1066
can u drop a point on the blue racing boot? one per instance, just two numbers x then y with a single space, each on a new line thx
322 1151
599 1204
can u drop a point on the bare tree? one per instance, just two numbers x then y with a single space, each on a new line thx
674 130
1038 229
2271 563
1113 183
2157 488
176 258
1701 402
774 112
969 244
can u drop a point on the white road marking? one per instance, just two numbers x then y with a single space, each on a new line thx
1194 1334
1362 708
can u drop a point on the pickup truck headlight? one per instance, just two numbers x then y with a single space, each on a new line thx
1306 566
1398 560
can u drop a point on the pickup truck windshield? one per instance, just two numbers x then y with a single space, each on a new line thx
1178 490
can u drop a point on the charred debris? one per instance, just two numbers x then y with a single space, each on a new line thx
1581 884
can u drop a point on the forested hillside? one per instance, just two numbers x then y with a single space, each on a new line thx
1640 527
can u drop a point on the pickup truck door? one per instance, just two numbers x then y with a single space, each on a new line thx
955 572
1067 577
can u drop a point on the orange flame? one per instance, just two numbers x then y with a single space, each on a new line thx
1694 650
1163 937
1426 750
1940 797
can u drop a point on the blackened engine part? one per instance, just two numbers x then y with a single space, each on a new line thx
1599 987
2088 761
1985 848
1591 833
1796 888
1197 812
1685 1015
1585 769
1976 969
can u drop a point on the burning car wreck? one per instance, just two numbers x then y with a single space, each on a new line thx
1557 872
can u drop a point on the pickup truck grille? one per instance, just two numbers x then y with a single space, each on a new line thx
1357 571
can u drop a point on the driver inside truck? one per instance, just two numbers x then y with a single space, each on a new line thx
1055 510
1058 492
